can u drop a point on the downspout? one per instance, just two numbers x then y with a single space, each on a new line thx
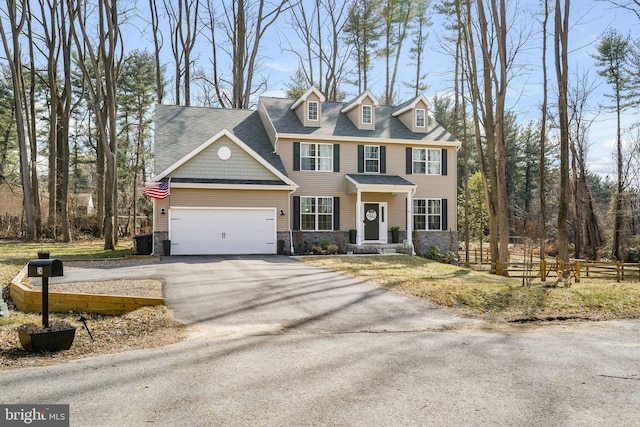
289 221
359 228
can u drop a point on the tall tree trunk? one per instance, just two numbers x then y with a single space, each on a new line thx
30 115
14 57
562 67
157 45
542 232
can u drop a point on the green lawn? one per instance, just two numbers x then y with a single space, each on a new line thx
491 297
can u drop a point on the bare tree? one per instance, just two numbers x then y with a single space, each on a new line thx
30 119
16 17
322 30
586 229
101 67
158 42
488 81
542 232
57 43
561 49
243 24
183 24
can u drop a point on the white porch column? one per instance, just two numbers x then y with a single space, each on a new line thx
410 218
359 228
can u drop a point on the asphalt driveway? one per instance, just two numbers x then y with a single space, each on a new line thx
279 342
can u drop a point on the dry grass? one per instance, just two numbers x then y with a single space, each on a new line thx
486 296
144 328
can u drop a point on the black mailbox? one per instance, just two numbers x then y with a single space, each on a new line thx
45 268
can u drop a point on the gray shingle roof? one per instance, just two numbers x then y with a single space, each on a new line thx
179 130
379 179
335 123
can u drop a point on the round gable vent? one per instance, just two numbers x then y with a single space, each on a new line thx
224 153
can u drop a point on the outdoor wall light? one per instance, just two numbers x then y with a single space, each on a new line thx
281 212
162 211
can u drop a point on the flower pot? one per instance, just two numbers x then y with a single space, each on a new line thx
395 236
352 236
46 340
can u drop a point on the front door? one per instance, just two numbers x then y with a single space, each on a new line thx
371 221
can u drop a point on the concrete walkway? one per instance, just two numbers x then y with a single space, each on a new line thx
279 342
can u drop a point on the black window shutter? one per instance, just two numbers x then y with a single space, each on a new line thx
336 213
443 211
296 156
409 160
443 159
296 212
383 159
336 157
360 158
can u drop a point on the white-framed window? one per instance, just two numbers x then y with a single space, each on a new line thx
372 159
427 214
367 114
316 157
312 110
427 161
420 117
316 213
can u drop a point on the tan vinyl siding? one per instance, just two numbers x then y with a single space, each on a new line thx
336 185
187 197
355 115
302 109
409 118
207 164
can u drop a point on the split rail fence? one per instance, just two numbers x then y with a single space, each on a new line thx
519 266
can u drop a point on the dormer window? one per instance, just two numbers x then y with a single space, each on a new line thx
367 115
420 117
312 111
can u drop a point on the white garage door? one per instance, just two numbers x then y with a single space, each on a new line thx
222 231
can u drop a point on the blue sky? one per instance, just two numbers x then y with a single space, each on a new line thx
589 19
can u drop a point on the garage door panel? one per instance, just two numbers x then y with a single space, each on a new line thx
222 231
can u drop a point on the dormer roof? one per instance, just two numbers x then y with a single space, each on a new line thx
410 104
312 90
357 101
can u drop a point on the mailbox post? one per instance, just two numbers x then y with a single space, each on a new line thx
45 268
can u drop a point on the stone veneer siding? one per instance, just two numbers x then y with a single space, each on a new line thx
303 242
445 240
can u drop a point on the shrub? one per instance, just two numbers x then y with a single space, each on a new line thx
631 255
434 253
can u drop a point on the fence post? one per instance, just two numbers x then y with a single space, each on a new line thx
543 270
577 271
587 267
617 271
622 269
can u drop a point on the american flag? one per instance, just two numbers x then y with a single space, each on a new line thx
157 190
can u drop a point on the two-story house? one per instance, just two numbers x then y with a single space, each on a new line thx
297 171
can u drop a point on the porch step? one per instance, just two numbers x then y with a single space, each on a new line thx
380 249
